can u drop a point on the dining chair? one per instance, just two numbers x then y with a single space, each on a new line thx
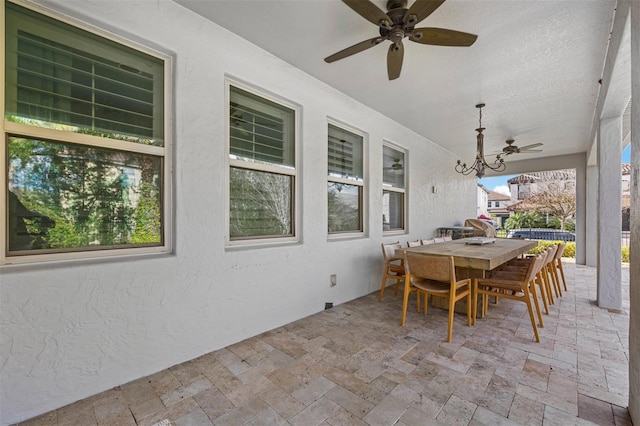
393 266
557 264
435 276
416 243
447 238
439 239
515 285
552 278
520 265
429 241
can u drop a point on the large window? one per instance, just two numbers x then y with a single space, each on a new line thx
393 189
262 167
345 181
86 148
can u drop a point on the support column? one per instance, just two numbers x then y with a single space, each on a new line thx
591 238
609 213
634 249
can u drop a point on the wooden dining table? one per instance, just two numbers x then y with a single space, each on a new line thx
474 260
483 257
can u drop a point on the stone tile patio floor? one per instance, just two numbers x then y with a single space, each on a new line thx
354 365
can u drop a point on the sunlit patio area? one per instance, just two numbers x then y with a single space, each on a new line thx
354 365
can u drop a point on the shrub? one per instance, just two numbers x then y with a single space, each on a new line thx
625 254
569 249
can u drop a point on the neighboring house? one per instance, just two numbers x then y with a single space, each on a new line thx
522 186
497 204
483 200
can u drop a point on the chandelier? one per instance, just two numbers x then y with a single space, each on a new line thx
480 164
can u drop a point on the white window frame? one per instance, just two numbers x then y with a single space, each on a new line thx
363 184
391 188
24 130
262 167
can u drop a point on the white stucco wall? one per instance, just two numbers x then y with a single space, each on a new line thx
75 329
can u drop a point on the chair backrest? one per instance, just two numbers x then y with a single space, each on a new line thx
429 241
560 250
416 243
534 267
437 268
439 239
389 251
551 253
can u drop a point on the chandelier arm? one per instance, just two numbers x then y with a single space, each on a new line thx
480 163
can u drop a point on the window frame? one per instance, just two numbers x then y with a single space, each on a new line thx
292 171
363 203
397 190
165 152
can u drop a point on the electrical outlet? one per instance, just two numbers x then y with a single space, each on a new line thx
333 280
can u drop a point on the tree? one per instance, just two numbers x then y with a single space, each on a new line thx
551 198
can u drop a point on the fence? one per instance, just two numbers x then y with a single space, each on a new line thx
626 236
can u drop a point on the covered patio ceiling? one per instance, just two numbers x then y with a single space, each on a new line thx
536 65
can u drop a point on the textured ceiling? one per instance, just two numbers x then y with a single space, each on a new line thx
536 65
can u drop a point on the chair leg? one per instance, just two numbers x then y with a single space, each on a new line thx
562 274
543 293
474 304
418 295
405 301
395 292
532 289
468 297
554 278
383 285
527 300
452 305
547 286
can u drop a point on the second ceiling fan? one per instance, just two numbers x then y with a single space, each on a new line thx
398 23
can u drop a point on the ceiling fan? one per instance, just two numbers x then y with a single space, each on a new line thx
396 166
398 23
514 149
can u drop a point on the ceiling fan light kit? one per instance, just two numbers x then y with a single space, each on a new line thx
398 23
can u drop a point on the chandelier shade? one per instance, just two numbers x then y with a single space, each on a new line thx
480 164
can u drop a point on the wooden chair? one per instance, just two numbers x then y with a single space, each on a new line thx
435 276
557 264
549 271
429 241
520 265
511 285
416 243
393 266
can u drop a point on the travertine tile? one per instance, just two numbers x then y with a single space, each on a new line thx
354 365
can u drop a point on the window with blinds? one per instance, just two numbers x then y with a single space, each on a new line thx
393 188
87 157
262 168
260 130
345 186
62 77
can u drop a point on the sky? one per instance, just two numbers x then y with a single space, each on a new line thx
499 183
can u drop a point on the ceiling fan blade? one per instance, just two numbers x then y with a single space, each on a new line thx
442 37
421 9
356 48
533 145
369 11
394 60
528 151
